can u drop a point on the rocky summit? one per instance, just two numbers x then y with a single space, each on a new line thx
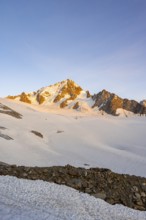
68 94
62 94
110 102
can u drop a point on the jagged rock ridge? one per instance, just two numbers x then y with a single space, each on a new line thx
67 94
109 102
64 94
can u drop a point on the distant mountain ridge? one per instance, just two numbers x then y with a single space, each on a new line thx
64 94
64 90
68 94
110 102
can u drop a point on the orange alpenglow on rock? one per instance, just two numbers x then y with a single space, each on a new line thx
68 94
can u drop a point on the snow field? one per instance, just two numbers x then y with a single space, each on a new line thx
27 199
75 138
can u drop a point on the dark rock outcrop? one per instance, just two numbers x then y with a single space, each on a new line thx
6 110
5 136
109 102
76 105
37 133
2 128
143 102
88 94
100 183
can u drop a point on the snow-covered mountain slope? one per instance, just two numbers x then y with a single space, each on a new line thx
72 137
27 199
67 94
63 94
6 110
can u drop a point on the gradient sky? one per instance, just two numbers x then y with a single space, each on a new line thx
100 44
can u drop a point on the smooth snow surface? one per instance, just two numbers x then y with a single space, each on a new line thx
27 200
75 138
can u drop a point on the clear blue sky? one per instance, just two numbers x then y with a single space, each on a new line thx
100 44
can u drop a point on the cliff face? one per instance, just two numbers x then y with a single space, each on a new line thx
109 102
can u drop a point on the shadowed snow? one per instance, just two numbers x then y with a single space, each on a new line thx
27 199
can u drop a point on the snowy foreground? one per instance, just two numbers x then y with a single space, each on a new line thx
75 138
69 137
27 200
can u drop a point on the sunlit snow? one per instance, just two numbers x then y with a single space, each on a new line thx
117 143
